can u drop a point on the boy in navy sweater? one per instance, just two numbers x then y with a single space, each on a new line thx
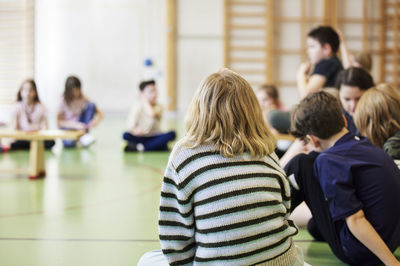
351 187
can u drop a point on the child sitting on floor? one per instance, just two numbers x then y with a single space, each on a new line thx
145 133
378 118
76 112
29 114
224 198
350 187
322 46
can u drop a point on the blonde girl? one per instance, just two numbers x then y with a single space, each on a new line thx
224 198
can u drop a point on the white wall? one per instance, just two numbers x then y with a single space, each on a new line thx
200 45
103 42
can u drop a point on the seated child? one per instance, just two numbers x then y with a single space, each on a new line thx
352 83
145 133
322 46
360 59
29 114
273 110
224 198
350 187
378 118
76 112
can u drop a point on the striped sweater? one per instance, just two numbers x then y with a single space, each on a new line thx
225 211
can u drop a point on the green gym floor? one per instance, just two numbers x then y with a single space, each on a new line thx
96 206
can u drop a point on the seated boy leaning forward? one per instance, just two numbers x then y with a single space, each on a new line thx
322 46
350 187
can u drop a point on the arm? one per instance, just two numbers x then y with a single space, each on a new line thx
366 234
176 221
296 148
306 86
346 55
67 124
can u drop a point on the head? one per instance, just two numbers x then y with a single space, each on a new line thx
268 96
318 115
322 42
149 91
225 113
72 89
352 83
28 92
378 115
363 60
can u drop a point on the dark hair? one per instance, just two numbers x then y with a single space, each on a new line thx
71 83
33 86
319 114
145 83
356 77
326 35
271 91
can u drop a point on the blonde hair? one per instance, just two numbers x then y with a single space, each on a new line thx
377 114
225 112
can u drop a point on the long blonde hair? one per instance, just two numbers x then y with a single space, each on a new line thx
225 112
377 114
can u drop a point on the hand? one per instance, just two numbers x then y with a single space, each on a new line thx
304 69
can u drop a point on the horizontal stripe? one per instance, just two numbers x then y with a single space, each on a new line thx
185 249
174 223
244 255
243 240
237 209
235 194
240 224
182 262
175 210
174 237
195 157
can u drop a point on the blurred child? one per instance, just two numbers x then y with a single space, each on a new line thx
350 188
145 133
358 59
76 112
352 84
378 118
322 46
224 198
29 114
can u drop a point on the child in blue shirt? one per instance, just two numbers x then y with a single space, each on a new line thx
322 46
351 188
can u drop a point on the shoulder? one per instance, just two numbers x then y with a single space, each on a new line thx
392 146
330 64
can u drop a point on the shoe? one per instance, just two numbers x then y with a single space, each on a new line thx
130 147
86 140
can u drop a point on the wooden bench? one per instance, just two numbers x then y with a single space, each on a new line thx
36 152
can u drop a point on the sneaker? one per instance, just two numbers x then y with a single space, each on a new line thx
130 147
86 140
140 147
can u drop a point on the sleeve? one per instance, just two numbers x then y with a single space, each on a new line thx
176 221
324 68
337 183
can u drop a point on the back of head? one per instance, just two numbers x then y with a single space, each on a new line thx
326 35
225 112
146 83
364 60
378 115
71 83
355 77
319 114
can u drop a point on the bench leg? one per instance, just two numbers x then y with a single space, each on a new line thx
36 160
